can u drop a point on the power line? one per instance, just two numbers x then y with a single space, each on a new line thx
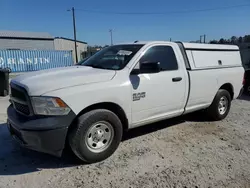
162 13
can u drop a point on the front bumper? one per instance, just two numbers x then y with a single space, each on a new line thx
41 133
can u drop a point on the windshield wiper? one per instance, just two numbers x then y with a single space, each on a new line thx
98 66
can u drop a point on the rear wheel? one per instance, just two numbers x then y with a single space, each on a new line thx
97 135
220 106
248 90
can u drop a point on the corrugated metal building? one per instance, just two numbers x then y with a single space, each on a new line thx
26 40
62 43
17 40
33 60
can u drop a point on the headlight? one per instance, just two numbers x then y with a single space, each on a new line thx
49 106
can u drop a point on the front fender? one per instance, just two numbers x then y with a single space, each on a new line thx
81 97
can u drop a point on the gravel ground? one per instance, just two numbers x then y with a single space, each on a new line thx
181 152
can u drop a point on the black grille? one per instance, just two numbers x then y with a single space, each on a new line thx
18 94
20 99
23 108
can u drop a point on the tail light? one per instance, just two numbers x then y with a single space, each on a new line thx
244 79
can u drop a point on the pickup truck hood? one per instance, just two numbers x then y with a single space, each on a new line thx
41 82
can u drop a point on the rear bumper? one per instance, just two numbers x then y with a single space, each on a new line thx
44 134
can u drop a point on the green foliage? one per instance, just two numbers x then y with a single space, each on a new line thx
232 40
246 38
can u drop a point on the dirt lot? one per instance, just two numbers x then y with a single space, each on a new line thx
182 152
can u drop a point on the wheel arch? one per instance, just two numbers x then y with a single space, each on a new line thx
113 107
228 87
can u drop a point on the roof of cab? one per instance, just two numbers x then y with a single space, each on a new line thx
145 42
137 42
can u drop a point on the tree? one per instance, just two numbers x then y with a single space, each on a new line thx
222 41
240 40
234 39
213 42
228 41
246 38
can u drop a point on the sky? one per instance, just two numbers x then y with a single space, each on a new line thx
52 16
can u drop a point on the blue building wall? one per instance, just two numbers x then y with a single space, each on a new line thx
34 60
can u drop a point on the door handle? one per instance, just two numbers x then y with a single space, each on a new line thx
177 79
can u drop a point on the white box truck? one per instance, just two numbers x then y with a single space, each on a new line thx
123 86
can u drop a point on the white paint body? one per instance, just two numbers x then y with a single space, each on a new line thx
81 87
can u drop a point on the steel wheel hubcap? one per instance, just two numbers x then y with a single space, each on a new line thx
99 136
223 105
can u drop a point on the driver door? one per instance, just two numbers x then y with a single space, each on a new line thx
159 95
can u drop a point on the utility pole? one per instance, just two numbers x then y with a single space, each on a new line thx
74 27
111 36
204 38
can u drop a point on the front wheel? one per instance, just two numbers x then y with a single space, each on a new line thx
220 106
97 135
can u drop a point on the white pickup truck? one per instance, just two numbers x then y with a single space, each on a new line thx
123 86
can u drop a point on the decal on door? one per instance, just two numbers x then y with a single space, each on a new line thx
139 96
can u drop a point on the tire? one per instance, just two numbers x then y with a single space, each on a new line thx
5 93
215 111
248 90
90 133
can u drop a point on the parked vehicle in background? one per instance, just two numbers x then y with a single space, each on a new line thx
120 88
247 82
4 82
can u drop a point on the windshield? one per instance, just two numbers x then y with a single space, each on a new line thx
113 57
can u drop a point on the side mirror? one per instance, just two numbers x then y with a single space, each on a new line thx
150 67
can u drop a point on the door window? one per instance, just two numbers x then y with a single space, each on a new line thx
163 54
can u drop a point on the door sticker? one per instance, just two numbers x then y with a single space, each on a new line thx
139 96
